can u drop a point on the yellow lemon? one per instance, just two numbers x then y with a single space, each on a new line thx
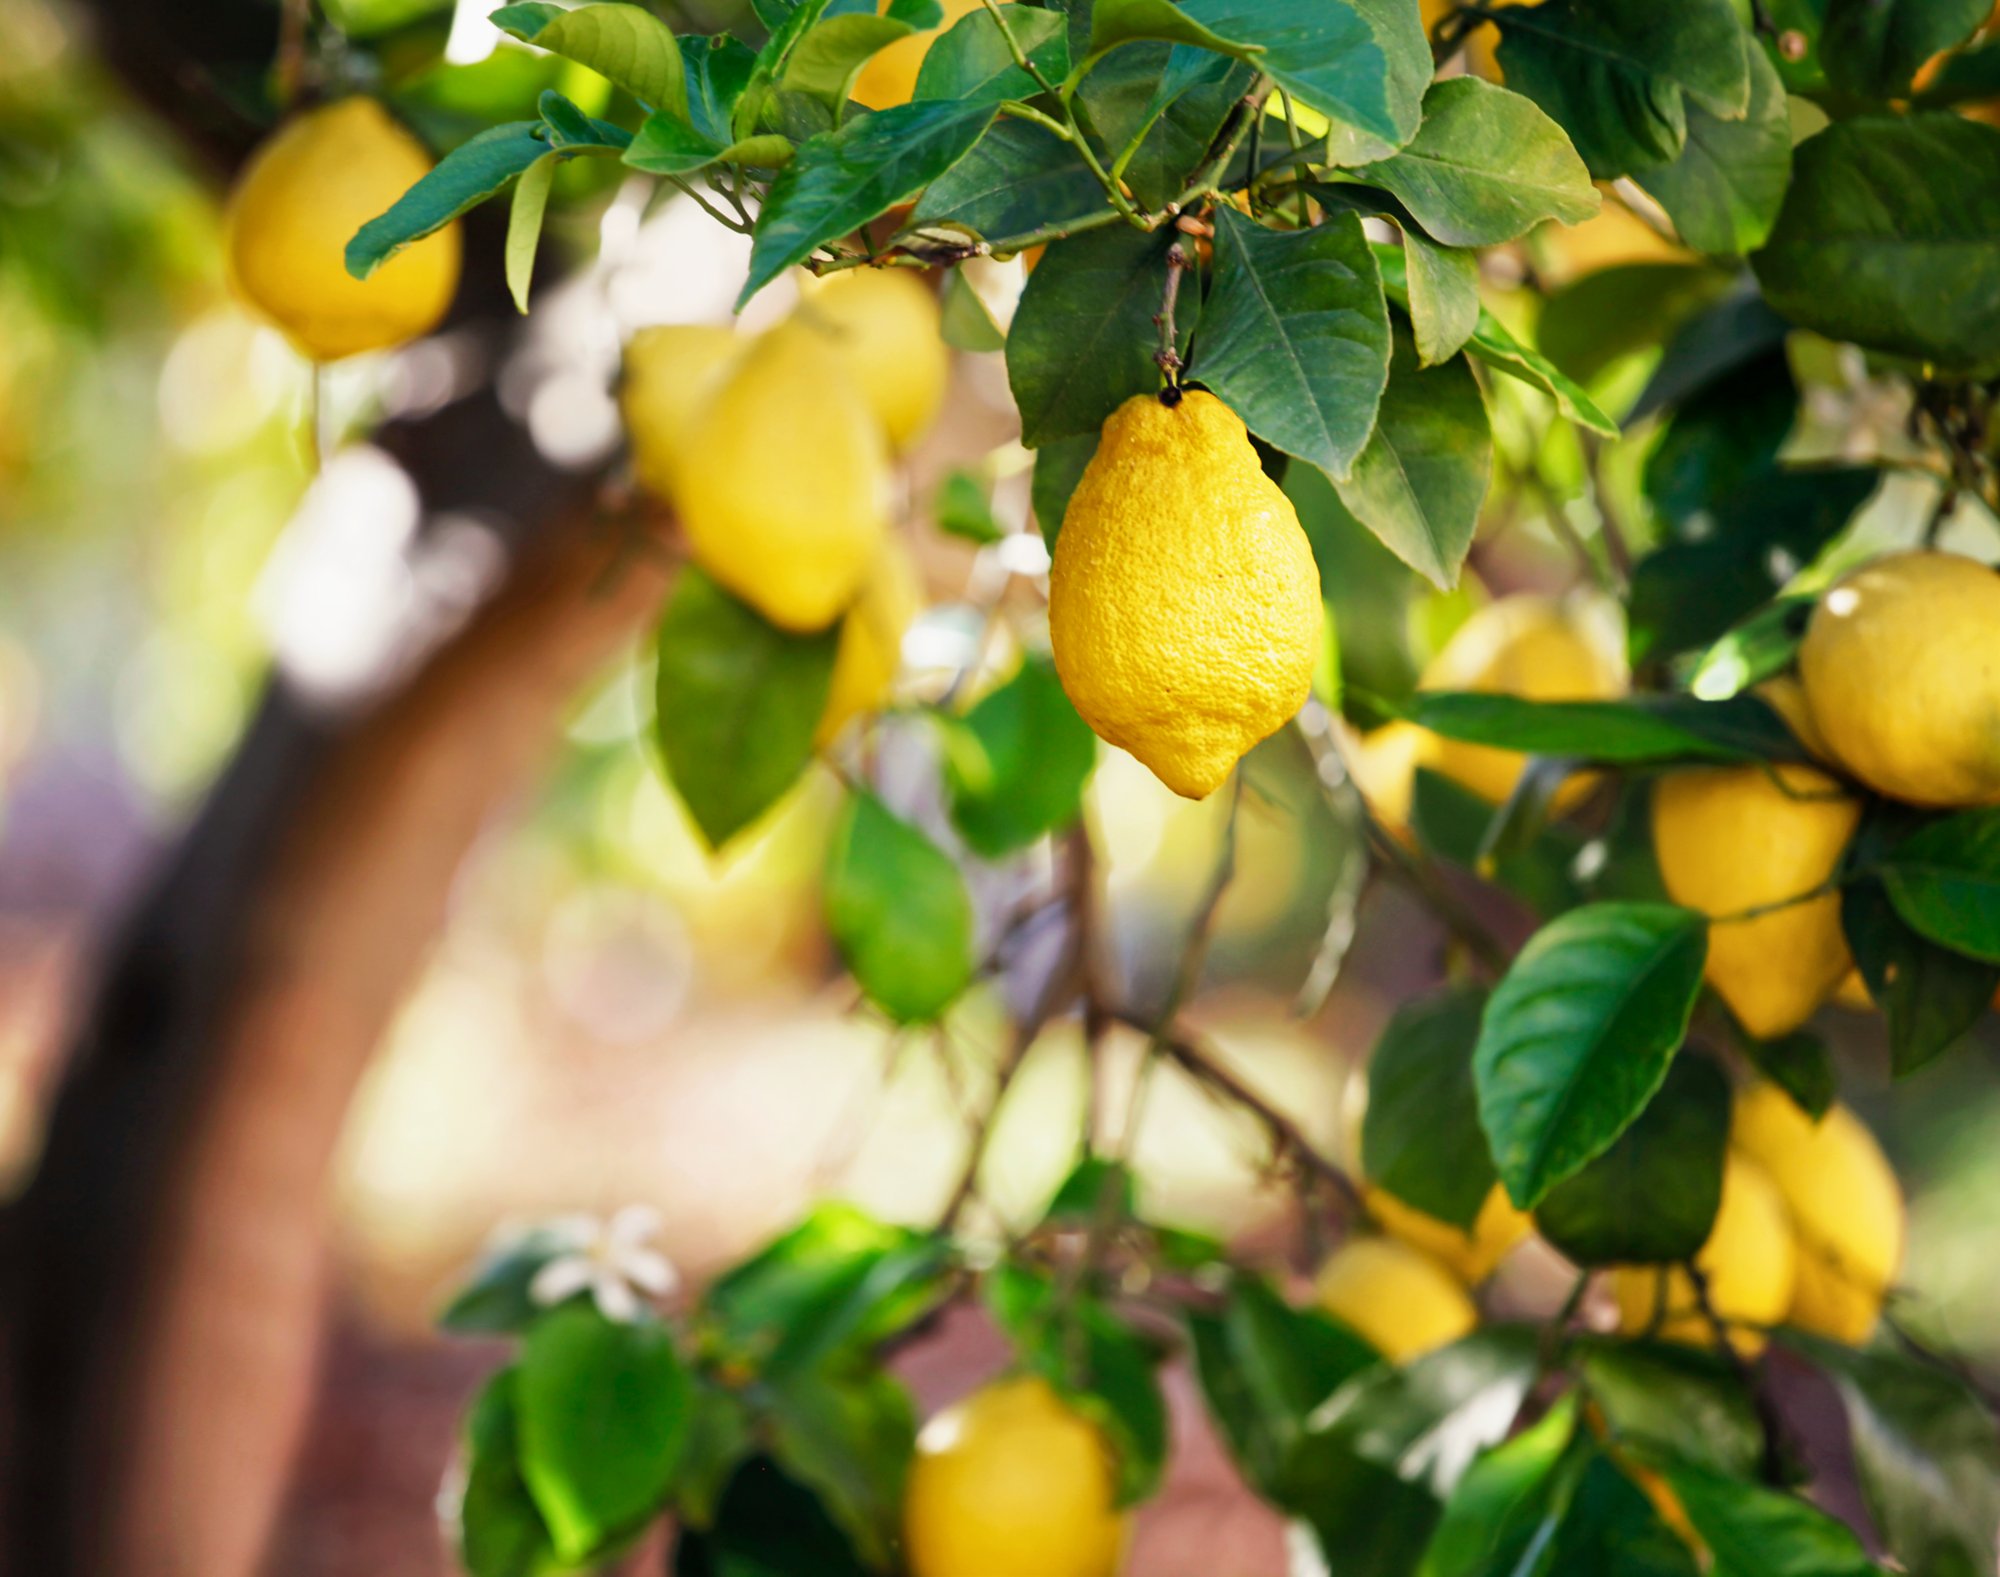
1786 695
321 178
1384 764
1404 1301
1732 839
1184 604
1901 664
1531 646
1472 1256
1748 1261
1847 1208
785 494
890 76
1008 1482
871 641
886 325
671 373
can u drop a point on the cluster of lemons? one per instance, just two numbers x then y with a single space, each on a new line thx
776 451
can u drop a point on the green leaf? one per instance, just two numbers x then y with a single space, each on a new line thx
1761 646
495 1299
823 64
461 180
1264 1366
1506 1502
1724 190
1613 72
717 70
966 325
1115 22
721 1434
1610 1525
964 511
897 908
767 1524
1756 1532
1485 166
1082 341
1096 1361
840 180
1017 178
500 1533
1667 1398
1421 481
1968 77
972 62
1458 825
1801 1066
1443 296
1736 332
1726 432
1295 336
1421 1138
1169 120
1494 344
666 146
1059 466
1579 1034
1017 763
1945 882
1641 729
1625 309
1096 1188
1931 996
1651 1198
1890 237
603 1411
1759 536
524 225
1874 48
626 43
738 703
1928 1456
847 1435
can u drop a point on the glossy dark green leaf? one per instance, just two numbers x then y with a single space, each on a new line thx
767 1524
1017 763
1083 339
717 71
495 1299
738 703
840 180
1509 1501
1017 178
1874 48
665 146
1931 996
1723 433
1801 1066
1176 124
972 62
846 1434
1641 729
1610 1525
1486 166
626 43
500 1533
461 180
1945 882
1668 1398
1295 337
1421 1138
1421 480
1724 189
1264 1366
1116 22
1578 1036
1059 466
1752 1531
603 1417
897 908
1890 237
1968 77
1928 1455
1444 295
1651 1198
830 54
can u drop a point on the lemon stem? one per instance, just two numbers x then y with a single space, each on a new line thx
1168 356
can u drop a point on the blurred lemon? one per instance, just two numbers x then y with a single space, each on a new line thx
890 76
671 373
886 326
1401 1299
871 641
1472 1256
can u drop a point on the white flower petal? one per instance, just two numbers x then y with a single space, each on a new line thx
561 1278
649 1269
615 1300
633 1226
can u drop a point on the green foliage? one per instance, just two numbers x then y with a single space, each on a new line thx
501 1532
463 179
973 62
1017 762
1944 880
1724 190
767 1522
1872 48
626 43
1644 730
897 907
1756 1532
1421 1138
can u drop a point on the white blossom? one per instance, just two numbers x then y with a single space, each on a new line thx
615 1261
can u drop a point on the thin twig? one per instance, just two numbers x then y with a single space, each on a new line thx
1168 357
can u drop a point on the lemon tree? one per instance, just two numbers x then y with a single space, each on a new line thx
1295 302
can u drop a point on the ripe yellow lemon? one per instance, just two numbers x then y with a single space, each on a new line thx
890 76
1847 1208
1531 646
321 178
1008 1482
1748 1260
1732 839
1184 604
1901 665
671 373
785 494
886 325
1402 1300
1786 696
1472 1256
871 641
1384 763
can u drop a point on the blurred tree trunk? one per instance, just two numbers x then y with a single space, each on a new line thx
167 1264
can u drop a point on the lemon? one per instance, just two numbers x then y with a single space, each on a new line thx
1731 839
1184 603
1748 1260
671 372
871 642
1532 646
785 496
890 76
1901 665
1384 763
1402 1300
1847 1208
1011 1481
1472 1256
886 324
1786 696
323 176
